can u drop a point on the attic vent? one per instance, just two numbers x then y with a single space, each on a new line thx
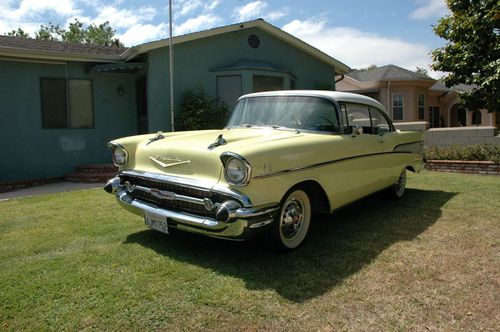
253 41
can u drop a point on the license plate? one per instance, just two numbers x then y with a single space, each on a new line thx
156 222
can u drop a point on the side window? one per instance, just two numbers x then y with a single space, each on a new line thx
379 122
358 115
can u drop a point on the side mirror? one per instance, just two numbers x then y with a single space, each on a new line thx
356 130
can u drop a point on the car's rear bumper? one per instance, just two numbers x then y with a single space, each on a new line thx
243 223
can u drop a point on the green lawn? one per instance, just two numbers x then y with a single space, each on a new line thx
429 261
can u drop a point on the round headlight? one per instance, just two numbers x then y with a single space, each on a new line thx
236 170
120 155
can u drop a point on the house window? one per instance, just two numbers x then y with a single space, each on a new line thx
292 84
228 90
476 117
267 83
66 103
397 106
434 117
421 106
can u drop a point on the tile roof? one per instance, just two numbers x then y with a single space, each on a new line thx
440 86
386 73
58 46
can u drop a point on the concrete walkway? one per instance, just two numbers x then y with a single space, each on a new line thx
49 189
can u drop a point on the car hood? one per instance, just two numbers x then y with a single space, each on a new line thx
196 154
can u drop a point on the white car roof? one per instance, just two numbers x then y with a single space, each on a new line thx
332 95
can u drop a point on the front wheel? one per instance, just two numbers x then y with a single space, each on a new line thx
292 222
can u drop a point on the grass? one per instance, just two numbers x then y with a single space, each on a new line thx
429 261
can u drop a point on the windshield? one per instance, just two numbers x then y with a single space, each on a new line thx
296 112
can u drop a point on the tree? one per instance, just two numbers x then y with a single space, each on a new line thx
422 72
370 67
18 33
102 34
199 111
472 54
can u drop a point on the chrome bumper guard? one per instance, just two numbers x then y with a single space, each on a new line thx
237 222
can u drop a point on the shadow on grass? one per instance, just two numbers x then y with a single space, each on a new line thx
338 245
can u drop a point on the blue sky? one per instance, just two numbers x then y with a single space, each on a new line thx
356 32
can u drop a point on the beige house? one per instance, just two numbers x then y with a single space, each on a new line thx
408 96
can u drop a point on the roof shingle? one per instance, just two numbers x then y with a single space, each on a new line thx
386 73
58 46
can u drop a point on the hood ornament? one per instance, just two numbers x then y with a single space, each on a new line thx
166 161
159 136
218 142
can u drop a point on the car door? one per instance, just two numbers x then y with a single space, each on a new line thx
390 138
361 161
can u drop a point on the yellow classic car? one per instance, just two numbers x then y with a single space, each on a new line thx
283 156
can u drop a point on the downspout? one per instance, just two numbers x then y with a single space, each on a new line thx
389 105
340 79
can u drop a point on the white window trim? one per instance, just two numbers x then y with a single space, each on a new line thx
403 105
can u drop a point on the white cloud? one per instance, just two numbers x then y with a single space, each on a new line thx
251 10
124 18
198 23
429 9
359 49
141 33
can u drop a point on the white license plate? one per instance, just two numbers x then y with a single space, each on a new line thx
156 222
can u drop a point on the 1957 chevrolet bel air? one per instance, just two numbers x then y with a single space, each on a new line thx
283 156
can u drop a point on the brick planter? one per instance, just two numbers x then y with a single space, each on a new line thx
20 184
462 166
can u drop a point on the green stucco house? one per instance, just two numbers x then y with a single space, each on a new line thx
61 103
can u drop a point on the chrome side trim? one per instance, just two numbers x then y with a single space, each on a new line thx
303 168
201 185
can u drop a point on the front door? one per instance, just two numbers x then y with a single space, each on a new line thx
142 105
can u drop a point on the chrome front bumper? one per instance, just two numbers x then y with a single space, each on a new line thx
242 222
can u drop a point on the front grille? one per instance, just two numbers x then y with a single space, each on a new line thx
175 205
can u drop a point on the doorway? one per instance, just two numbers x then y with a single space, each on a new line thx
141 88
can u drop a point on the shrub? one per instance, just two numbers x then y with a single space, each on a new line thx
486 152
199 111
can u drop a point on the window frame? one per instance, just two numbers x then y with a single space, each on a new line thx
345 120
402 105
66 102
421 107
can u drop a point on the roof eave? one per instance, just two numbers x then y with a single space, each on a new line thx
340 68
62 56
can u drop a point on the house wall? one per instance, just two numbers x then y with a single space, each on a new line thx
29 151
194 61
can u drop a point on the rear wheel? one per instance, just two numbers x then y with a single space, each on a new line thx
292 222
398 189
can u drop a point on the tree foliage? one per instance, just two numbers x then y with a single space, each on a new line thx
102 34
18 33
472 53
199 111
422 72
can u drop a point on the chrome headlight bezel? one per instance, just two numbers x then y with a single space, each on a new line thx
229 160
117 149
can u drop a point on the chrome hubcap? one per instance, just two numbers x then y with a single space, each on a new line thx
291 218
401 183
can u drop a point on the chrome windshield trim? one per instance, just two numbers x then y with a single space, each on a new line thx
200 185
